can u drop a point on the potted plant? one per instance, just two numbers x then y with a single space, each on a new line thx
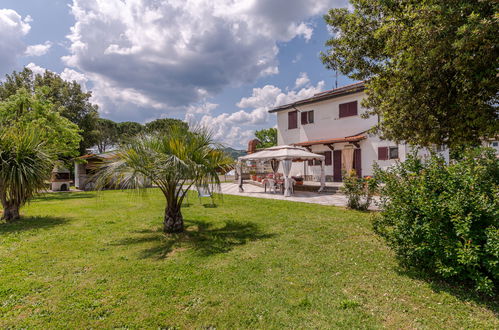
253 174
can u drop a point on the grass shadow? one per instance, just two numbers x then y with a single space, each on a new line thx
199 236
45 197
30 223
462 292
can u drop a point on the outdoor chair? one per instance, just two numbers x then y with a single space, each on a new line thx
271 184
204 191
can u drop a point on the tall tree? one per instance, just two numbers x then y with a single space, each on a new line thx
68 97
430 66
173 160
26 111
107 135
267 137
164 124
129 129
32 136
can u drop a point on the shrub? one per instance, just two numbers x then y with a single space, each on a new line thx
359 191
444 219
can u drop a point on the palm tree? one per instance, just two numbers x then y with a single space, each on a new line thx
24 168
174 161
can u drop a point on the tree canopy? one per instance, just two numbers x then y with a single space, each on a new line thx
164 125
267 137
430 66
67 97
33 112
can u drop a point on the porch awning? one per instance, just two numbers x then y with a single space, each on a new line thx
282 153
353 138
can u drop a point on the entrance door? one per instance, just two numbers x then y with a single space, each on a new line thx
337 166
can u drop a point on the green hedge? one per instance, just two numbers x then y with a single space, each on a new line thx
443 218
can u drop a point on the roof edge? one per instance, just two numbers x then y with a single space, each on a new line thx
322 96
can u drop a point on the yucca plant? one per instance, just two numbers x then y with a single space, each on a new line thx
174 161
24 168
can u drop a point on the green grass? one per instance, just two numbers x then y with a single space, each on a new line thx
86 260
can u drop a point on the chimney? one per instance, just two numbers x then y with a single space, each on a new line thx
252 146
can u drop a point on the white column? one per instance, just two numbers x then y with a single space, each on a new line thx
239 169
286 166
323 176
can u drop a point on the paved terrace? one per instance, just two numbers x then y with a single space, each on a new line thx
299 196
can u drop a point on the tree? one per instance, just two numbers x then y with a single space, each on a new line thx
32 136
129 129
107 135
164 124
267 137
67 97
25 164
25 111
430 66
173 160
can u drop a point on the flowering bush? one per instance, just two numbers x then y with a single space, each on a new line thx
444 218
359 191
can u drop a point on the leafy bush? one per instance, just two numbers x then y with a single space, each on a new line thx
359 191
444 219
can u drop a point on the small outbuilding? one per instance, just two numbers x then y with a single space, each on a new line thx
85 168
60 179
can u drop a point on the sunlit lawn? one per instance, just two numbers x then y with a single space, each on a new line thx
81 260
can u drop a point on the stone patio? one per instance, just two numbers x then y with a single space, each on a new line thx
299 196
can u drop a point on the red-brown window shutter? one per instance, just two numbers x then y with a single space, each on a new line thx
304 117
343 110
329 159
382 153
352 108
348 109
292 119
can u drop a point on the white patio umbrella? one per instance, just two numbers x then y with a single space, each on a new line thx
286 154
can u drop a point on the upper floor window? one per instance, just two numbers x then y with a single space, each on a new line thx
307 117
292 119
348 109
385 153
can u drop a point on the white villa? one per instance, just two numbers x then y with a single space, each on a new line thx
330 123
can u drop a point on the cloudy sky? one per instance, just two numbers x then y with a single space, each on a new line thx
220 63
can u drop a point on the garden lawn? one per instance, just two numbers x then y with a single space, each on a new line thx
87 260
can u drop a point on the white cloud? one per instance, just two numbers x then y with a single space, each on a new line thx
38 50
173 53
35 68
235 129
302 80
13 28
72 75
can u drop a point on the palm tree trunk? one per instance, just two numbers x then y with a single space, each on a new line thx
10 211
173 222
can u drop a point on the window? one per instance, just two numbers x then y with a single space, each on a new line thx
495 144
329 159
307 117
292 119
394 152
385 153
348 109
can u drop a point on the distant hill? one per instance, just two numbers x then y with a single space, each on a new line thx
234 153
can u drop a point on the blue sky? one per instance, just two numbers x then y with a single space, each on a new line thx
220 64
